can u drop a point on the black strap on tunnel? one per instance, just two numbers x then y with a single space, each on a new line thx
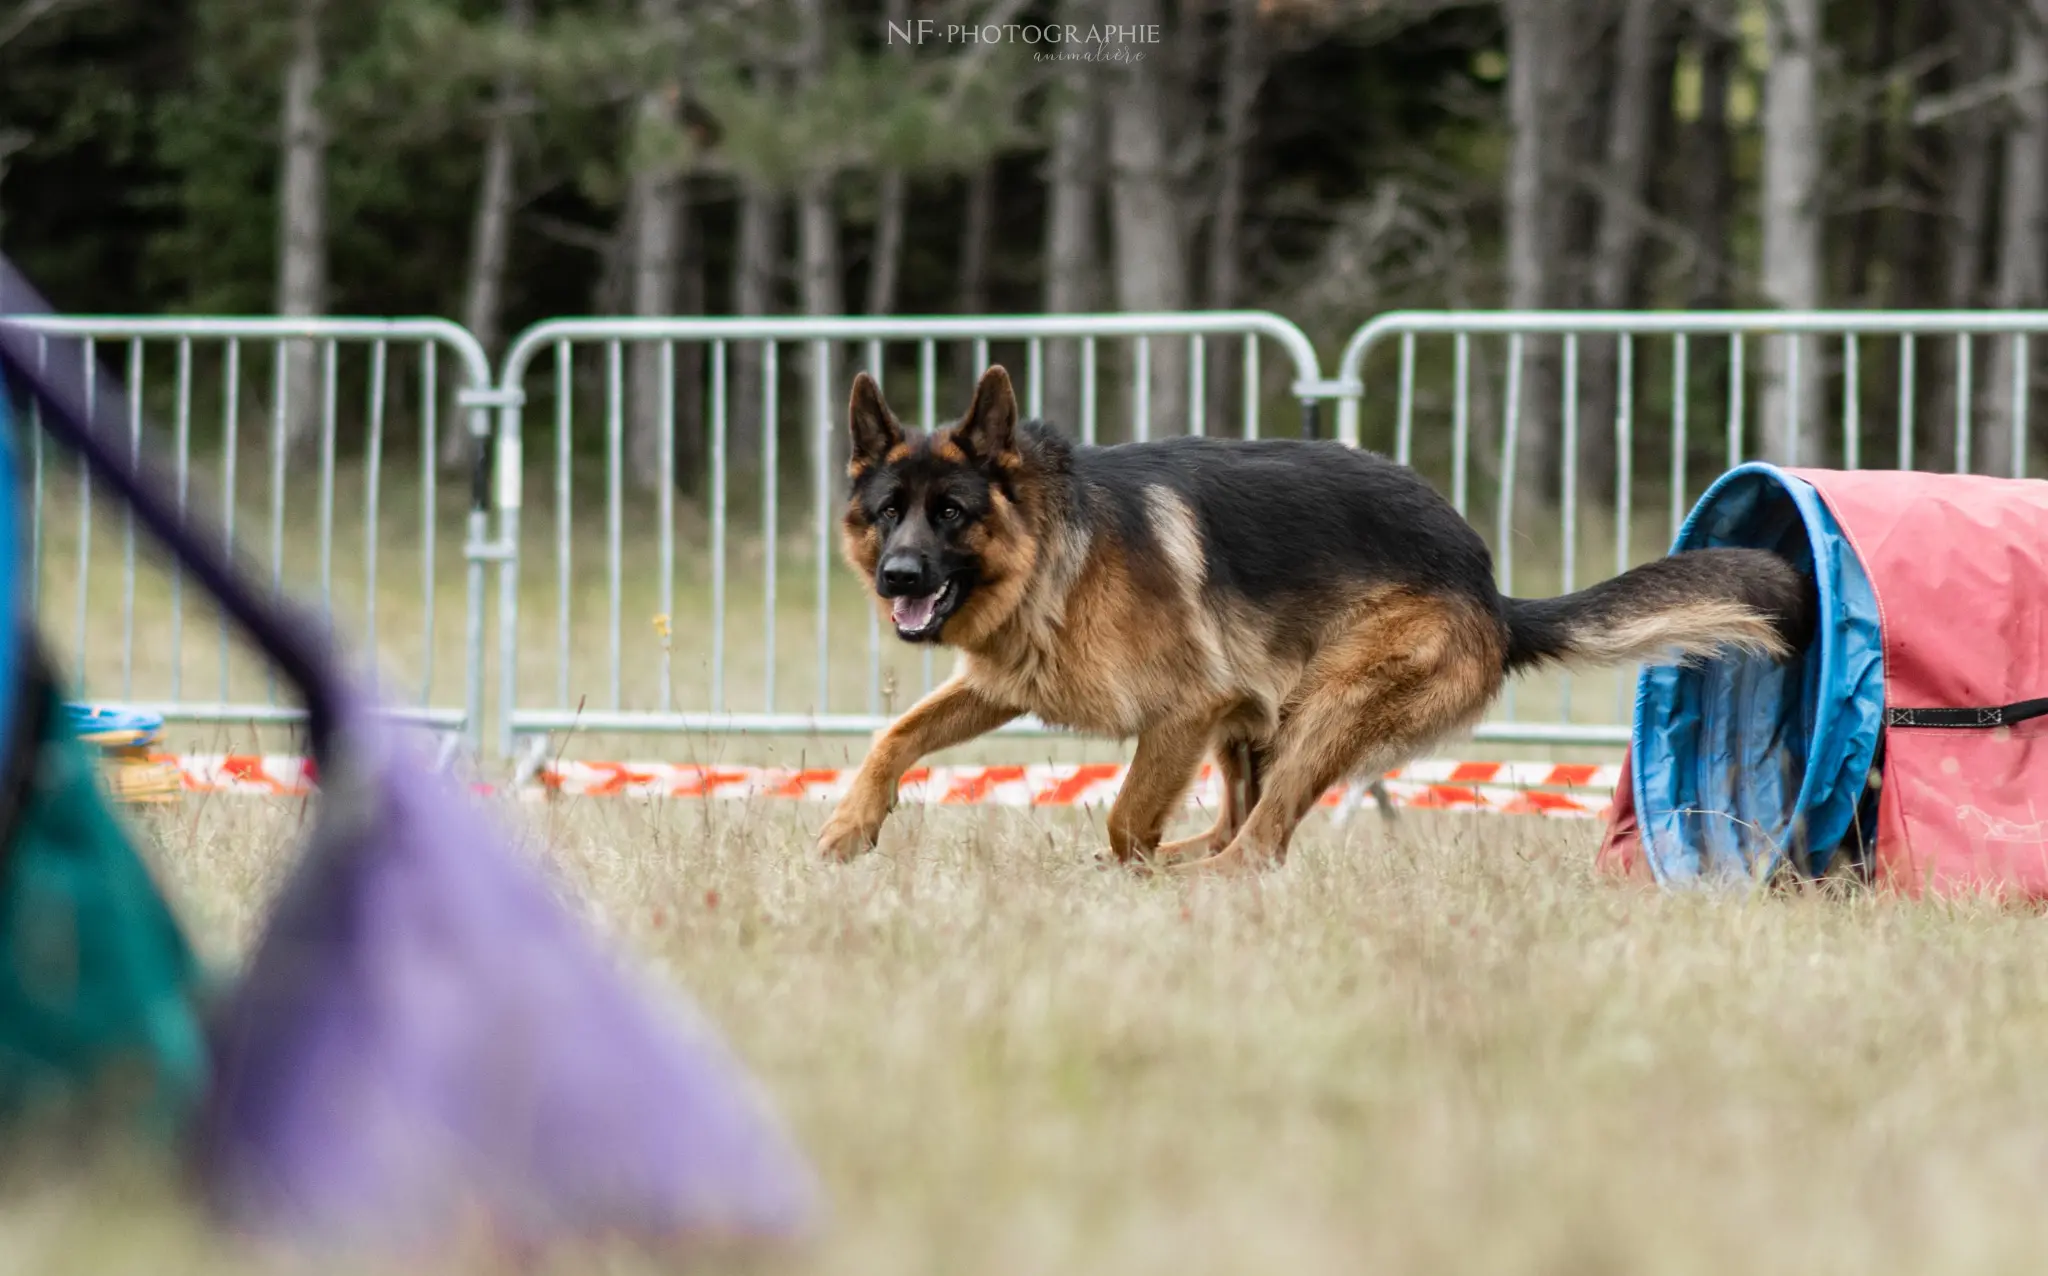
2000 716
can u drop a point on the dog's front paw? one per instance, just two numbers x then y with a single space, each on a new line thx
845 837
1236 860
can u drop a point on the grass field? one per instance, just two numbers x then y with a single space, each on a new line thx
1448 1048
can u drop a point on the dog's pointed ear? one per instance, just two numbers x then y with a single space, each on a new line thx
989 430
874 428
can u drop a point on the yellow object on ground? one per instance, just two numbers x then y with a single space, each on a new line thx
134 772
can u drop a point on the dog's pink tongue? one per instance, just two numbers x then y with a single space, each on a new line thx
915 613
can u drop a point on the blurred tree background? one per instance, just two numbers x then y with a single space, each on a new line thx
504 161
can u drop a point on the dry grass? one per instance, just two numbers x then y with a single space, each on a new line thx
1451 1048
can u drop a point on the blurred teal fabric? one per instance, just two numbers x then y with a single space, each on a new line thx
98 986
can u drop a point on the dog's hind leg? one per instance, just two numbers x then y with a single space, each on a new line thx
953 713
1238 766
1412 669
1159 775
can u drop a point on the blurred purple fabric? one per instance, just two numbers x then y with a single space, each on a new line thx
425 1038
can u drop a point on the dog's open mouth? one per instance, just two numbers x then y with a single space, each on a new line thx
920 618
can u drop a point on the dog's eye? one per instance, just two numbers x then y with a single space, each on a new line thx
948 512
890 513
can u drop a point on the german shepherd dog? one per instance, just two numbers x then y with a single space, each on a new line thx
1302 611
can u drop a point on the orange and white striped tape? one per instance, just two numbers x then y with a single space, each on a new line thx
1521 788
272 775
1570 790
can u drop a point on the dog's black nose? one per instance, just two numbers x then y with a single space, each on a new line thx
902 575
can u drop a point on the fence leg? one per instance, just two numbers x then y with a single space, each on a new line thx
451 744
531 760
1354 796
476 535
1385 802
473 635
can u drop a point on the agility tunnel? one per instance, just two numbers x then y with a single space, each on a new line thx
1908 744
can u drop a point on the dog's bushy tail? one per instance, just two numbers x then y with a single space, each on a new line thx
1679 608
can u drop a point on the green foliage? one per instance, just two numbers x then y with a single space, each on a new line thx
149 182
216 142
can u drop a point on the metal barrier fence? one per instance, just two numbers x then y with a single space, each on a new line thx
210 377
1067 356
1776 386
1492 407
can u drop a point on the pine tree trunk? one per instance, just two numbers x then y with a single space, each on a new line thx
753 293
611 293
977 229
1790 424
1972 170
302 222
654 227
693 441
1151 238
1917 238
1867 234
1073 206
1710 180
654 214
1973 153
1624 206
2022 272
1540 116
490 240
1243 69
885 262
818 248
